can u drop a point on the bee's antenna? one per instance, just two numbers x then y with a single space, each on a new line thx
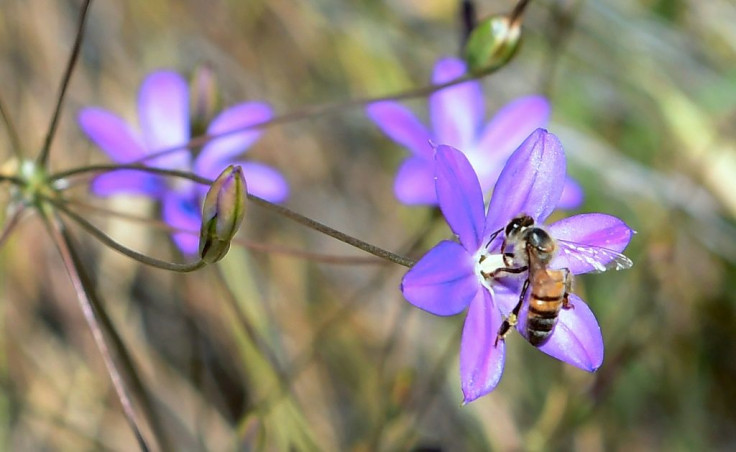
493 237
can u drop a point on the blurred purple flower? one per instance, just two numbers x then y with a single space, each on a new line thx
448 279
163 114
457 116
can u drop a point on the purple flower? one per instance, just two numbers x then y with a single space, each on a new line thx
163 113
457 116
448 279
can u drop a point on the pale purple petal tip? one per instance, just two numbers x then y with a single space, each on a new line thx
442 282
481 360
459 195
572 195
508 128
457 111
414 184
577 338
183 213
163 111
400 124
265 182
127 182
217 152
111 134
530 183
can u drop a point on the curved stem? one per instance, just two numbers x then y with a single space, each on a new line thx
334 233
106 240
43 156
12 131
12 179
110 167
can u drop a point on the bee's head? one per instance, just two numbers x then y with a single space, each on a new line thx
518 225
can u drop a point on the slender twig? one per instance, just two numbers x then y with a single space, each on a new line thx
43 156
249 244
12 131
10 225
12 179
61 240
317 226
106 240
110 167
518 11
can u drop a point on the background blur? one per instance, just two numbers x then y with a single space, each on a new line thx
265 350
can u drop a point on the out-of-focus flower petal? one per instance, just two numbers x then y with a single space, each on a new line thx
576 339
265 181
572 195
457 111
400 124
481 361
591 229
414 182
127 182
530 183
218 153
163 112
443 281
111 134
510 126
459 196
183 212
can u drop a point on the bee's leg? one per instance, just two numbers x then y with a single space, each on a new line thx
568 288
510 321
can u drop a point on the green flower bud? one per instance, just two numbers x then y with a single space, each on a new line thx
492 43
222 213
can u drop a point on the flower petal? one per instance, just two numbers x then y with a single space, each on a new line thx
414 182
113 135
481 360
459 196
184 213
572 195
457 111
511 125
127 182
217 153
163 111
602 232
265 182
577 338
400 124
443 281
530 183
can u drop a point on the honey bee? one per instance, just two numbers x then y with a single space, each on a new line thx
533 250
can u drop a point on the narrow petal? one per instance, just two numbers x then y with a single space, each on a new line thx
183 213
457 111
481 360
530 183
127 182
459 196
265 182
572 195
400 124
113 135
217 152
596 239
443 281
511 125
163 111
577 338
414 182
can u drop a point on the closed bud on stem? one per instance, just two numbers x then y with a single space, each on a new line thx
492 43
222 213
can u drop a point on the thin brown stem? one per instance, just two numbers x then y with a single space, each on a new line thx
43 156
60 237
12 131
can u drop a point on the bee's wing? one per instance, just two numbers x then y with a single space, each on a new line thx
593 258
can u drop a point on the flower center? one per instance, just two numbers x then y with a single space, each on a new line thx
486 264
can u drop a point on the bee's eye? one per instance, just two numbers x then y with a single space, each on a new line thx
539 238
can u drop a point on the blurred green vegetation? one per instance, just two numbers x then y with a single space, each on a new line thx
269 351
